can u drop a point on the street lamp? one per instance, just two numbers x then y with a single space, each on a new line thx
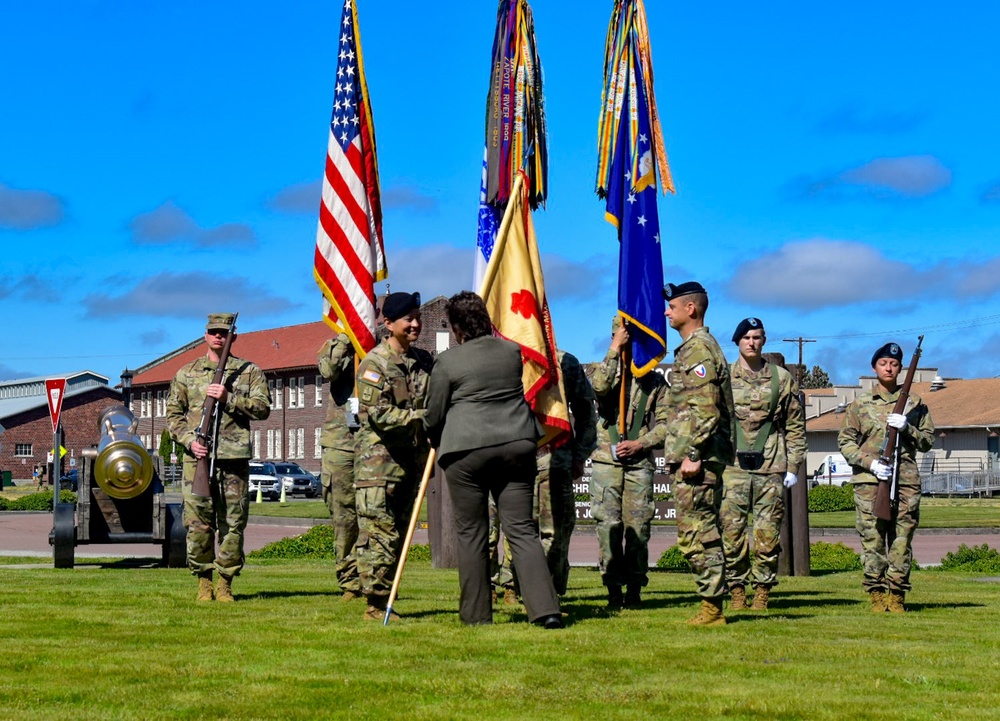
127 388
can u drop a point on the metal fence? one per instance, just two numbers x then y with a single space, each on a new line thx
978 484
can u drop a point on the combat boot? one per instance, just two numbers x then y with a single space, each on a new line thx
224 591
710 613
895 602
760 596
739 599
878 601
350 595
509 597
633 596
376 609
205 592
615 597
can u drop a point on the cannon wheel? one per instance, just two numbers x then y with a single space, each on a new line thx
64 535
175 547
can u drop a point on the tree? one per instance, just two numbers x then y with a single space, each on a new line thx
816 378
166 446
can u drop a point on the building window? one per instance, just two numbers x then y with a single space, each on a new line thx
300 441
22 450
441 341
297 392
301 391
317 444
144 405
161 404
277 446
319 391
277 394
270 444
255 444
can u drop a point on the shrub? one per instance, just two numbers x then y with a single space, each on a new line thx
41 501
317 543
978 559
833 557
673 560
831 498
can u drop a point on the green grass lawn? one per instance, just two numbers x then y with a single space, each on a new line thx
934 513
118 642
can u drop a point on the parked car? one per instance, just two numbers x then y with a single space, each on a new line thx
297 481
264 476
833 471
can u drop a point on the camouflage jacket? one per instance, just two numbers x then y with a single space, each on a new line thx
785 446
336 364
248 399
701 403
864 428
392 391
580 398
607 388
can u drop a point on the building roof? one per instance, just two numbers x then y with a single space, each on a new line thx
274 349
293 346
960 404
10 407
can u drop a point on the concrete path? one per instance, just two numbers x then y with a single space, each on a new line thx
27 534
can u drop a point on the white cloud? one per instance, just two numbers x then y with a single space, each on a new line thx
29 209
908 177
171 224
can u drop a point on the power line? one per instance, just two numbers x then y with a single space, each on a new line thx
953 325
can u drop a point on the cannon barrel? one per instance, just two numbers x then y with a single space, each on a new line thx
123 468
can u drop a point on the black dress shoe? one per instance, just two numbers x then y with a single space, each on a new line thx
553 621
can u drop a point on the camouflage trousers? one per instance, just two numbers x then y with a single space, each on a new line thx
621 501
886 547
383 517
745 494
555 513
223 515
338 492
698 535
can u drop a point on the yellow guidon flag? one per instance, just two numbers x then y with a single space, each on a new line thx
514 292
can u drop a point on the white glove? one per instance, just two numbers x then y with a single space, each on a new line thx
790 479
897 421
881 470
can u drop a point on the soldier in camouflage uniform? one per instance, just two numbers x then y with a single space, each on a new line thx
555 502
886 546
621 484
242 396
699 444
771 443
390 448
336 364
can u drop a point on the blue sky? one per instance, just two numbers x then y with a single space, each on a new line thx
836 166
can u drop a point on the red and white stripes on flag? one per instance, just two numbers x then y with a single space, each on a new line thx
350 256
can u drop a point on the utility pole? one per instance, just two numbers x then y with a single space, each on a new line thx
800 341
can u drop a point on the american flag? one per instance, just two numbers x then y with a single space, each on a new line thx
350 257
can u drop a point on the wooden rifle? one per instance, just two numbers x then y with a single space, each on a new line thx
886 498
208 428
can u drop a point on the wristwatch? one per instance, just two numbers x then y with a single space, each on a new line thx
694 455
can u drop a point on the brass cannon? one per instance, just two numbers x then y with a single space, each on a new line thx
120 498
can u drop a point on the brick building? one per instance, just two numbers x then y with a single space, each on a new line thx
287 356
26 436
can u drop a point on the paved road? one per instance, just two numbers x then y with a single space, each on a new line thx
27 534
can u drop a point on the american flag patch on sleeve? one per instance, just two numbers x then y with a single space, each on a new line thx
371 376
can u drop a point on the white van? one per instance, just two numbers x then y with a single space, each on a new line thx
833 471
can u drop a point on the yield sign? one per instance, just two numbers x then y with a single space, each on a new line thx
55 389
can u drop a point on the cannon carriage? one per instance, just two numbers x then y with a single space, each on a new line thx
120 498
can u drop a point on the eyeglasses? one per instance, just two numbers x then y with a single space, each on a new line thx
216 331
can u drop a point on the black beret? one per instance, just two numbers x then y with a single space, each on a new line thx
747 324
396 305
889 350
675 291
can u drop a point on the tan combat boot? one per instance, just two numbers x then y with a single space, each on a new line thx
760 597
509 597
878 601
376 609
895 602
205 592
710 613
739 599
350 596
224 591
